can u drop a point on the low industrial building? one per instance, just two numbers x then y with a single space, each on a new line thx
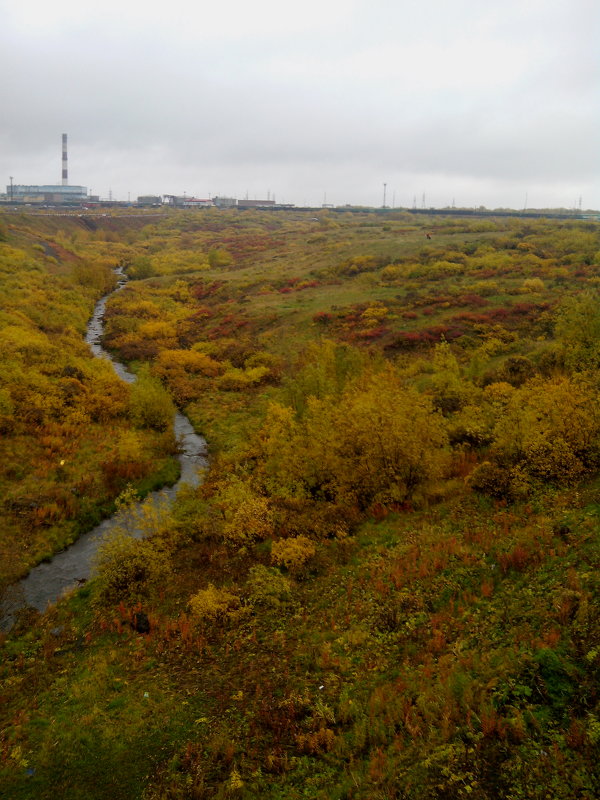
149 200
52 195
256 203
184 201
224 202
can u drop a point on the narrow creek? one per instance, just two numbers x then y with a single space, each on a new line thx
71 567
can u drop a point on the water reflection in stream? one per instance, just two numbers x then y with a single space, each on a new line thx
71 567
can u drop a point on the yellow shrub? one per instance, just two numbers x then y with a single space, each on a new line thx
189 360
247 515
532 285
238 379
316 742
392 273
214 605
550 430
499 393
374 315
293 553
377 442
499 481
130 569
483 288
268 587
150 403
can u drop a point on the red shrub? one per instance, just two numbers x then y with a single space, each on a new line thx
202 290
518 559
323 317
471 300
407 341
374 333
474 319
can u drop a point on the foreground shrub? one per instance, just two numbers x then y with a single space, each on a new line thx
293 554
134 561
266 586
313 519
236 379
379 442
125 461
501 482
128 569
214 606
578 330
551 428
150 404
247 517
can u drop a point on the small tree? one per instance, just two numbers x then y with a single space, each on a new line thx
578 328
128 569
214 606
217 257
293 553
267 587
134 561
150 404
549 430
247 516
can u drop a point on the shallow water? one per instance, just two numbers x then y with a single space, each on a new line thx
72 567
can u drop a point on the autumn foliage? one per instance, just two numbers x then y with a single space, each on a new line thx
386 584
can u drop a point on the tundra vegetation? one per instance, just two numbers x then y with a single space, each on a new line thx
387 585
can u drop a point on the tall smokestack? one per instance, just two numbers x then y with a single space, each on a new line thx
65 169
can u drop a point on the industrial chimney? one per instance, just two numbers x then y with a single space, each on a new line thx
65 170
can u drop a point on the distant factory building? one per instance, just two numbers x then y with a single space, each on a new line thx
149 200
224 202
46 194
255 203
186 202
195 202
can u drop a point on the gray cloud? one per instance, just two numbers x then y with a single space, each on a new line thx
466 98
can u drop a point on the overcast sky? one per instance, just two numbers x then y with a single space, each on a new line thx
476 102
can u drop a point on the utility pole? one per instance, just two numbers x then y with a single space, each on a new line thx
384 191
11 188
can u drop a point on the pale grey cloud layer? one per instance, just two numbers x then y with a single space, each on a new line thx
476 102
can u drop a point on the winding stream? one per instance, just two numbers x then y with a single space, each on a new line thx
71 567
